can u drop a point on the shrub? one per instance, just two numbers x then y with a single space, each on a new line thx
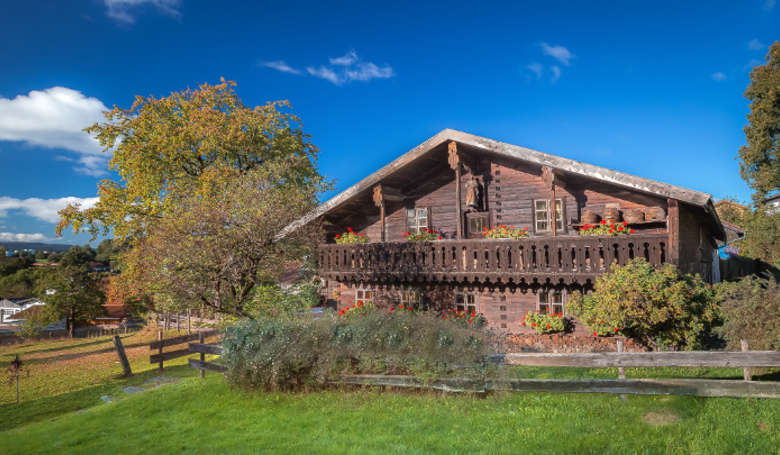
751 311
290 354
544 323
357 310
660 308
272 301
606 228
465 318
351 237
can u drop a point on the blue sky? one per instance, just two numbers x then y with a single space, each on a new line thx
650 88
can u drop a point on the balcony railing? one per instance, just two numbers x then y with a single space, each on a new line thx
489 261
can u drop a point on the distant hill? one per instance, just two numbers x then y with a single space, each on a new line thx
35 246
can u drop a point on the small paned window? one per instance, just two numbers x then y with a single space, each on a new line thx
363 294
417 219
542 215
466 301
550 301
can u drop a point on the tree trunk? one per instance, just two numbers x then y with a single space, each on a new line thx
189 321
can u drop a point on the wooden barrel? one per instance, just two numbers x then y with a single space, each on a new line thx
633 215
589 217
611 214
655 214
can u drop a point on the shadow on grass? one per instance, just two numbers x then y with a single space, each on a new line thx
77 355
14 415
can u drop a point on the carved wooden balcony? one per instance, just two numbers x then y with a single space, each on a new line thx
568 260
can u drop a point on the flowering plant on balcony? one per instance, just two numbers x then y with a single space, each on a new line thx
425 235
606 228
465 318
360 308
351 237
502 231
544 322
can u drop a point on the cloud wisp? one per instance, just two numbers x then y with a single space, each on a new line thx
43 209
559 53
339 70
20 237
55 118
756 45
718 76
122 11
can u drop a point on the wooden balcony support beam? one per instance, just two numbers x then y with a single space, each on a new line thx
454 159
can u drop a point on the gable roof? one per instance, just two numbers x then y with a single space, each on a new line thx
516 152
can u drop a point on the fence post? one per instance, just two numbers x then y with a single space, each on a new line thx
120 350
201 340
745 371
160 351
621 370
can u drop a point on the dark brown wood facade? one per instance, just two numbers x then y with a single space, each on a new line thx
506 277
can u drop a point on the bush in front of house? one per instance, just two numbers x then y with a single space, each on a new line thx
751 311
290 354
662 308
351 237
544 322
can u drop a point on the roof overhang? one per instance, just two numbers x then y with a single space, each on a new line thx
515 152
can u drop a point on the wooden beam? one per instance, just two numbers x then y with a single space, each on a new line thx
726 359
203 348
673 228
453 158
195 363
548 176
120 350
379 201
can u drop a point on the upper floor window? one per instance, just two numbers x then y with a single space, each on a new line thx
466 301
417 219
543 215
550 301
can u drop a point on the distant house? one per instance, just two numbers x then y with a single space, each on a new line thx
773 203
10 307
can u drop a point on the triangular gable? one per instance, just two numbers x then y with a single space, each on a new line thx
515 152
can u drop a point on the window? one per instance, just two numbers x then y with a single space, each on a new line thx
410 297
466 301
550 301
475 224
417 219
365 295
542 215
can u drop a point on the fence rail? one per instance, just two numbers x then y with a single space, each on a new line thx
645 359
160 357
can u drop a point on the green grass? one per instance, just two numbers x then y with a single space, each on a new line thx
61 412
207 416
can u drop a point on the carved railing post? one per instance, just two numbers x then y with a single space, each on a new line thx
379 201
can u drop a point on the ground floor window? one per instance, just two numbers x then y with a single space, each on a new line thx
364 294
466 301
551 301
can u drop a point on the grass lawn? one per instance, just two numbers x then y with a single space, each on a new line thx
61 412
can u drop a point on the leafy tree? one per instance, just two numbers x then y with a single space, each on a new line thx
762 236
2 251
219 247
108 250
660 308
78 255
751 311
20 284
163 146
77 295
41 255
760 157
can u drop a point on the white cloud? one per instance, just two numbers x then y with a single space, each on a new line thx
535 68
324 73
556 73
280 65
756 45
559 53
340 70
769 4
14 237
43 209
120 10
345 60
718 76
55 118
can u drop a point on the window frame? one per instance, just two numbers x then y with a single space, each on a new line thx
364 289
560 218
417 228
544 298
465 302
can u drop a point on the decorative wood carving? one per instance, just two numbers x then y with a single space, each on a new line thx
453 158
455 163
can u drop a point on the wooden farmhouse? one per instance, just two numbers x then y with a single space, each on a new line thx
459 184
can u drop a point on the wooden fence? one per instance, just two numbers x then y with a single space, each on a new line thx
160 357
697 387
